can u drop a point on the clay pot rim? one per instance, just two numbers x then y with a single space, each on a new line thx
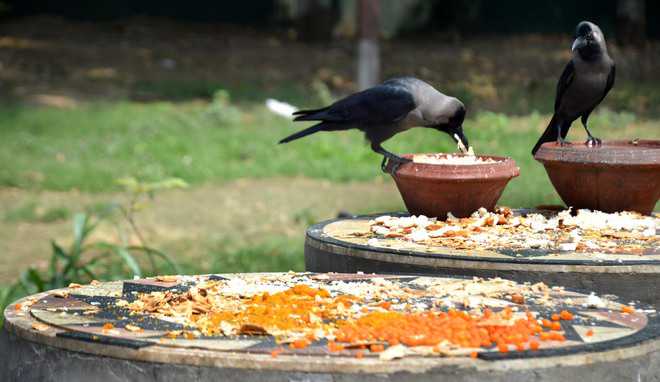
503 168
617 153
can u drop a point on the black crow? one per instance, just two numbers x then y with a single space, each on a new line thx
582 86
384 110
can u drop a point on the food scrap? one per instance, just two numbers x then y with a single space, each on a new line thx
427 316
451 159
588 231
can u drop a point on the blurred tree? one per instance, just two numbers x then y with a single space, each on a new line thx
368 63
316 19
631 22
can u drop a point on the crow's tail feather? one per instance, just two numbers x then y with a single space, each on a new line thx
550 133
309 115
303 133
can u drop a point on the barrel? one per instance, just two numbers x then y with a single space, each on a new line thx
63 336
340 245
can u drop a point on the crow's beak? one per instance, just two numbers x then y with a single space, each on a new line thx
457 134
579 43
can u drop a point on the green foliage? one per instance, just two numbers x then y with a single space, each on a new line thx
86 260
305 217
322 94
221 110
275 255
32 213
154 141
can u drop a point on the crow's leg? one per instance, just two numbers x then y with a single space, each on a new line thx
560 140
395 159
591 140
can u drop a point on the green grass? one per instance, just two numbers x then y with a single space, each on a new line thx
32 213
89 147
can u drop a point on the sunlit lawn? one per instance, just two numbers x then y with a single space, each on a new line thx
89 147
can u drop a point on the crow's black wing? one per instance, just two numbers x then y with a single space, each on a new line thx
378 105
610 81
564 82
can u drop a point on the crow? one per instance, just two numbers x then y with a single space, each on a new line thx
585 82
387 109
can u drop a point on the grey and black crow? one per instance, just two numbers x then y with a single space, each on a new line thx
384 110
586 80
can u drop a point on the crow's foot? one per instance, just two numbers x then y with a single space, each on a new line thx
562 142
394 163
593 141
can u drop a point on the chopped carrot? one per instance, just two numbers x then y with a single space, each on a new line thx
555 317
299 343
555 326
517 299
534 345
566 315
589 333
474 354
376 348
555 336
627 309
503 348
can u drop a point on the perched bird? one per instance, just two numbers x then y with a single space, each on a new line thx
384 110
586 80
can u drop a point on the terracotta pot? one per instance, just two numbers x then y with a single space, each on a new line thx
436 189
617 176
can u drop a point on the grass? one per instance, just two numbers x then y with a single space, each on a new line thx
33 213
87 148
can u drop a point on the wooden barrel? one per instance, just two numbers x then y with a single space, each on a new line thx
334 246
65 336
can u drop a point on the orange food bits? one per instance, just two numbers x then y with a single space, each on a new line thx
503 348
555 326
385 304
557 336
627 309
300 343
108 326
428 328
547 323
474 354
376 348
359 354
17 306
555 317
566 315
335 347
518 299
276 352
589 333
534 345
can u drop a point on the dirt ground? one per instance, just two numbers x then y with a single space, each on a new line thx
54 62
49 60
245 210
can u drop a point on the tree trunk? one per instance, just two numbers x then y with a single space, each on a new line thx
317 21
631 22
368 63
